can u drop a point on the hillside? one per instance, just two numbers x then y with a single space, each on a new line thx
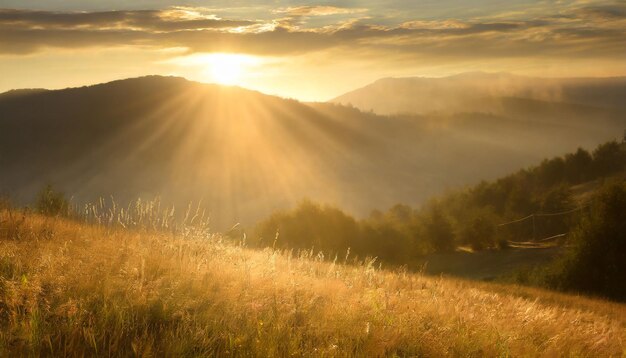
498 93
72 288
245 154
529 220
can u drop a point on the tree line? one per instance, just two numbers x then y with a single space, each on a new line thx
465 217
595 262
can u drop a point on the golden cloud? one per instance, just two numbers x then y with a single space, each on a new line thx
584 32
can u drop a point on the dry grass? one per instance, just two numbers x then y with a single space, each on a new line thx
73 289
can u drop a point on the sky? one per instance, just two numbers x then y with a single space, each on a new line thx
311 51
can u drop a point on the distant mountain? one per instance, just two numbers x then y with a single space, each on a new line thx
245 154
482 92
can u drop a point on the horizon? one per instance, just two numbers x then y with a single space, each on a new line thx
305 51
305 101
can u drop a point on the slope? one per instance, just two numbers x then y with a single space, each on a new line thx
70 288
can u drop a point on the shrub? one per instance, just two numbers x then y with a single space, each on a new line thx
51 202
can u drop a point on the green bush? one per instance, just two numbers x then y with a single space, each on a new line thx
51 202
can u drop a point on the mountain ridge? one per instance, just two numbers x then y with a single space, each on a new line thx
454 94
246 154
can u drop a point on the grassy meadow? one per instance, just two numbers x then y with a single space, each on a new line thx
69 288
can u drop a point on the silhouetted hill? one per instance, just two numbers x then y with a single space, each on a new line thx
20 92
483 92
245 154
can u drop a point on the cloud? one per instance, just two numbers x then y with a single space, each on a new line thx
153 20
583 31
605 12
295 17
318 11
434 24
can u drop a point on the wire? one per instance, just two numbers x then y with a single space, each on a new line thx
561 213
518 220
544 214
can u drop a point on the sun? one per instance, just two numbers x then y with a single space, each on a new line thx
222 68
228 69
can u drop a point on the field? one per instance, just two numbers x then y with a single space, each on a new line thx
69 288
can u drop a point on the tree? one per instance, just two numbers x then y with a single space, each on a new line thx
479 231
578 166
438 231
551 171
608 158
383 239
308 225
597 261
401 213
557 200
519 201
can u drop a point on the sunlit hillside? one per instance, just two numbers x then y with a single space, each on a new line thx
498 93
75 289
245 154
